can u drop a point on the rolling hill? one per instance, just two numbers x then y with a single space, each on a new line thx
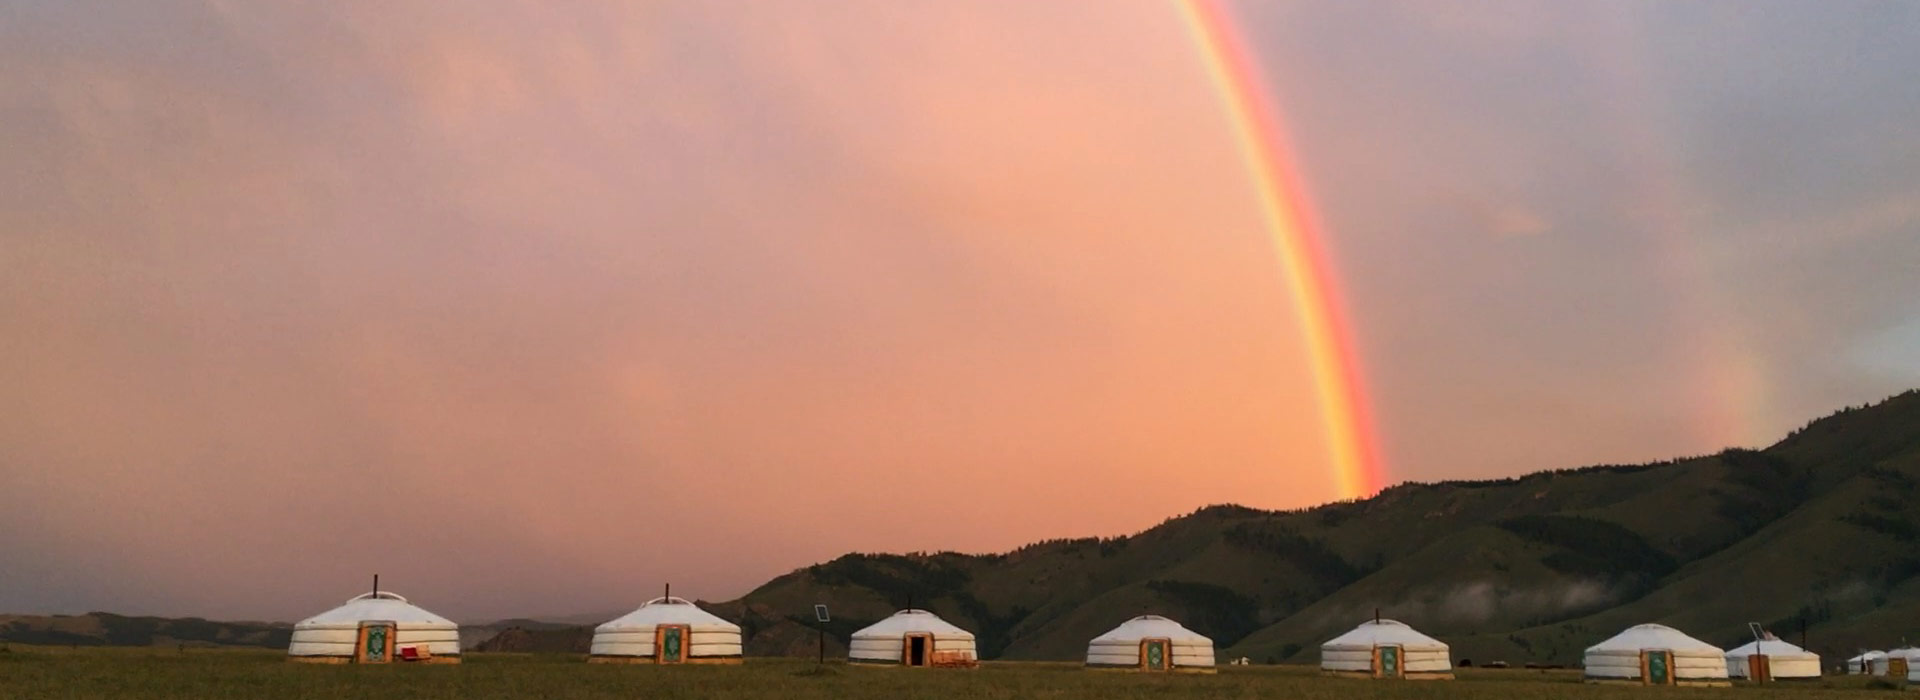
108 629
1819 528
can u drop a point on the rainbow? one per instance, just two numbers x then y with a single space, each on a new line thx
1289 221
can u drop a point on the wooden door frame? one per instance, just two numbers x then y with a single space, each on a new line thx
1399 660
1166 658
906 649
660 636
1646 678
360 640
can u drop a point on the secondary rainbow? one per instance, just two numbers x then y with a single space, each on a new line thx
1289 220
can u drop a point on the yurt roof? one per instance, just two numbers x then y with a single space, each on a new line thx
1770 647
912 621
384 605
669 610
1151 627
1651 636
1388 632
1870 656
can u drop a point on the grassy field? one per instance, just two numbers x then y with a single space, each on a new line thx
211 674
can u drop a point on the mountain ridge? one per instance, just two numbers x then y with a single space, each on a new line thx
1526 568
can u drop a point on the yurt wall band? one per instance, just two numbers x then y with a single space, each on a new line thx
375 628
1386 649
667 630
1151 643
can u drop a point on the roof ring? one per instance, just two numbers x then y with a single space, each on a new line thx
382 595
668 600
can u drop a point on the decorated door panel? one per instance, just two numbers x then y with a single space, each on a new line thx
1155 654
375 643
1657 667
1386 662
670 644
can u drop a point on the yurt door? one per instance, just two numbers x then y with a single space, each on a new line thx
1897 666
670 644
375 643
1656 667
1759 668
1154 653
1386 662
916 649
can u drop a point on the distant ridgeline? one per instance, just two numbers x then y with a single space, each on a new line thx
1819 529
108 629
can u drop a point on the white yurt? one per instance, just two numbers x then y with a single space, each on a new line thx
1656 655
1872 663
1900 661
1783 661
913 637
377 627
1386 649
667 630
1151 643
1912 662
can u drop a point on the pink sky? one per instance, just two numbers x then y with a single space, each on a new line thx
507 303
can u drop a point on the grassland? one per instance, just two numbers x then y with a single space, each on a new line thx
134 674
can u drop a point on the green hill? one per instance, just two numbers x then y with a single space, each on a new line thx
1819 528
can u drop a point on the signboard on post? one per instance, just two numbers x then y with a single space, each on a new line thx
820 615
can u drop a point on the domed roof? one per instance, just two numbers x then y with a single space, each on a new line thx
384 605
1771 647
665 611
1151 627
1374 633
913 621
1651 636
